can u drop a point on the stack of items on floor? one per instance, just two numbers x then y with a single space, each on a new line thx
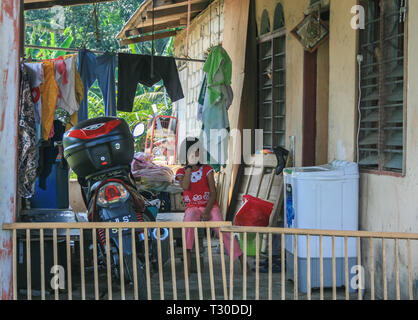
53 99
215 98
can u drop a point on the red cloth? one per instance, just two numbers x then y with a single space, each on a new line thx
198 193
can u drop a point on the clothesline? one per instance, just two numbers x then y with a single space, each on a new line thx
101 52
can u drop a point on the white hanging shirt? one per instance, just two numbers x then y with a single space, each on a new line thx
65 79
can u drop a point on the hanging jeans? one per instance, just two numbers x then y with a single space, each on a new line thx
101 68
134 68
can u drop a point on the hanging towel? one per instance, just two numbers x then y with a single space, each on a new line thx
27 150
49 95
101 68
134 68
218 63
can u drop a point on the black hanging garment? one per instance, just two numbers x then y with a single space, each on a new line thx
49 153
27 149
134 68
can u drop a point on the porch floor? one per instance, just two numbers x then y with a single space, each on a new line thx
193 282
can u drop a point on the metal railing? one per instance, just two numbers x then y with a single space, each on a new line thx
68 228
300 264
365 264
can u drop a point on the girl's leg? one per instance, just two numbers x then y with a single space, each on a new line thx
191 214
216 215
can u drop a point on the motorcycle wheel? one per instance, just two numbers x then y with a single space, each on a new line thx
141 276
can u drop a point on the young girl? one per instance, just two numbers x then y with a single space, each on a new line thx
199 195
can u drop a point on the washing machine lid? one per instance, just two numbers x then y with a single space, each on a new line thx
336 169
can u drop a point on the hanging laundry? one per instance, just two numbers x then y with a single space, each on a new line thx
49 153
134 68
218 64
101 68
27 150
215 132
218 99
36 78
79 94
65 78
201 99
49 95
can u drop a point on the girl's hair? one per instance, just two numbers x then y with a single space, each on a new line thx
185 147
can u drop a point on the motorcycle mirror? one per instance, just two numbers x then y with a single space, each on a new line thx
138 130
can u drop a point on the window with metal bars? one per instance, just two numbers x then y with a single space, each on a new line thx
271 109
382 46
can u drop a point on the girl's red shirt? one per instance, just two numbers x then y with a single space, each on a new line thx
199 192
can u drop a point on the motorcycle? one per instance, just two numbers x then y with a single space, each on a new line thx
100 152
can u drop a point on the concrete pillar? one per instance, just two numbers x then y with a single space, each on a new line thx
342 82
9 101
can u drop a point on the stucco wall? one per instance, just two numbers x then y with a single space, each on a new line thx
390 203
387 203
342 82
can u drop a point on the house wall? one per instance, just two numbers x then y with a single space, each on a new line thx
342 82
389 203
206 30
9 93
293 11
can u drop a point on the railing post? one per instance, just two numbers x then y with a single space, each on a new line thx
160 264
185 262
199 274
147 266
69 280
212 284
173 264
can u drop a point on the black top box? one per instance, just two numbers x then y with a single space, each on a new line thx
98 144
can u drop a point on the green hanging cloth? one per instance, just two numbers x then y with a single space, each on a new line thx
218 59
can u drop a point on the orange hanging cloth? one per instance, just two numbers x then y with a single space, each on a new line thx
49 93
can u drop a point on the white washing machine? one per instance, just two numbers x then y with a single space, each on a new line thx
326 198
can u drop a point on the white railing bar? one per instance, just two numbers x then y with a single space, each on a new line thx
147 266
212 284
121 265
185 262
134 264
173 265
160 264
197 254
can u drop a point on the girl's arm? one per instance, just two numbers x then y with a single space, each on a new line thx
212 197
185 180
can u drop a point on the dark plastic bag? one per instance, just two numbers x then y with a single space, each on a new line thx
254 212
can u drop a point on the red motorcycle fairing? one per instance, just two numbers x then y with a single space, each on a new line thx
95 130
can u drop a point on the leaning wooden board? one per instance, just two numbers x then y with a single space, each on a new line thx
260 180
